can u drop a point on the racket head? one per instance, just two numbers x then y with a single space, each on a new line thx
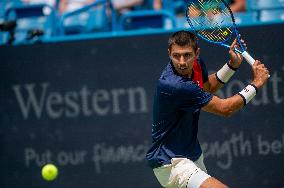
212 20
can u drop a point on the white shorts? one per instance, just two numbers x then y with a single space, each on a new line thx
182 173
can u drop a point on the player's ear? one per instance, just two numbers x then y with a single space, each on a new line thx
169 52
197 52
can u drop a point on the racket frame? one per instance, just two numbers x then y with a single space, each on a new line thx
242 50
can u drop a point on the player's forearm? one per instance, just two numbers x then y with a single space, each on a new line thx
232 105
213 84
227 107
217 80
224 107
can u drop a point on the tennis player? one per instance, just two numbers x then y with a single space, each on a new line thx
183 89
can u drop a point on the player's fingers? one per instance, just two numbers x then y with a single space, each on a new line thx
232 51
262 65
233 44
237 47
267 72
256 63
244 43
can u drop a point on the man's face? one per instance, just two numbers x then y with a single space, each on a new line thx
183 58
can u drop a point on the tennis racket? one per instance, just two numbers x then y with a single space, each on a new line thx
213 21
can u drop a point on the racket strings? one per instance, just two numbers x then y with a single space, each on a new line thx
211 19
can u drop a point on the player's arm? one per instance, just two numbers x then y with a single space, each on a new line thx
218 79
224 107
227 107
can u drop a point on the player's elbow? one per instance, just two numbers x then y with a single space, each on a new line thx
227 110
227 113
222 107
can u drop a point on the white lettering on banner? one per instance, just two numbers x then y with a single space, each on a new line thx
224 151
32 157
71 158
32 102
270 147
102 154
268 94
237 146
39 100
275 83
62 158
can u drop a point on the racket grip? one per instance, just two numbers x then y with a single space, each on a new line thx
248 58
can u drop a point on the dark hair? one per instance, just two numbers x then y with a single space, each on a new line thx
183 38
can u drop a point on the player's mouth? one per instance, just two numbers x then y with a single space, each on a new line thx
182 68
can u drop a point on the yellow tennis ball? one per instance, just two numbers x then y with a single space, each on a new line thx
49 172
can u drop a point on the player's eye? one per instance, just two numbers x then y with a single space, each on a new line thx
176 56
187 55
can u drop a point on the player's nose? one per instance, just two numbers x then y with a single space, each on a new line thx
182 60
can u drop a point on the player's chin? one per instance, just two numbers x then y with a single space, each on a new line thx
183 72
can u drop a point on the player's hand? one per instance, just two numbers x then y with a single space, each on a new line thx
236 58
260 74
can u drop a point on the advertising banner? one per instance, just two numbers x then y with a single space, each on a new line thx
86 106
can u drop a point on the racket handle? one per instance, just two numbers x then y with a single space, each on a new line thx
248 58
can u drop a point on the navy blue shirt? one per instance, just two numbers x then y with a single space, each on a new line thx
176 109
